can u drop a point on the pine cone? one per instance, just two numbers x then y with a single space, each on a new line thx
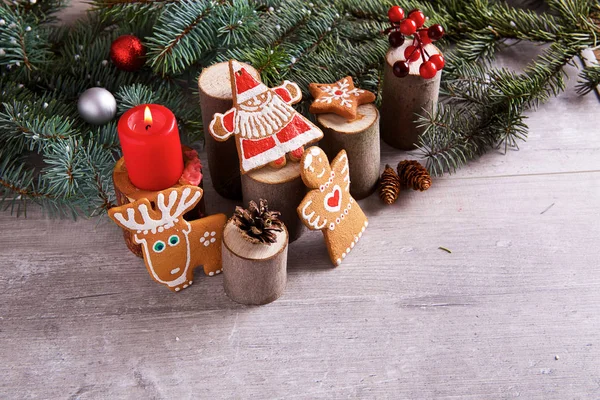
257 223
414 175
389 185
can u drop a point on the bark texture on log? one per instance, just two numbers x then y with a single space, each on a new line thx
214 85
405 98
282 188
253 274
360 139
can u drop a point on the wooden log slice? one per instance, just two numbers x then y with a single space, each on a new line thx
253 274
214 85
126 193
404 98
282 188
360 139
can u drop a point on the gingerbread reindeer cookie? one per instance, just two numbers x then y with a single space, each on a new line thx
172 246
329 207
265 125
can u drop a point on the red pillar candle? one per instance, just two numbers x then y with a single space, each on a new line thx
151 146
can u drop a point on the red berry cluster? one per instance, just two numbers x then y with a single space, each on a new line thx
413 26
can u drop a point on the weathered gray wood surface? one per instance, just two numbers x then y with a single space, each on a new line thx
514 311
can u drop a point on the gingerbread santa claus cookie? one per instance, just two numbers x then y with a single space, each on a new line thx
329 207
265 125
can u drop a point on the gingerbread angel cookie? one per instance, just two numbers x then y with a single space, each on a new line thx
172 246
265 125
329 207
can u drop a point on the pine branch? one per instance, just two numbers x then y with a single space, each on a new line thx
18 185
491 114
38 12
46 68
589 79
30 128
183 32
21 48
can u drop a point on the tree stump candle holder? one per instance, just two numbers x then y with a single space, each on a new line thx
253 273
214 86
282 188
126 192
405 98
360 139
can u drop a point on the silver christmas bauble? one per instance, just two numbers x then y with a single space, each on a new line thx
97 106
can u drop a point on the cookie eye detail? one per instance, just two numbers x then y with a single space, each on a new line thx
173 240
159 246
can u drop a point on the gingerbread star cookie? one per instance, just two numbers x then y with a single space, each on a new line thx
340 98
329 207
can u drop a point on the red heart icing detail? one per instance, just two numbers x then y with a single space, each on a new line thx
333 199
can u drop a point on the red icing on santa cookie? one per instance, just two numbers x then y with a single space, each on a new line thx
265 125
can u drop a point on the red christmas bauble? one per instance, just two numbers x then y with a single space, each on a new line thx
128 53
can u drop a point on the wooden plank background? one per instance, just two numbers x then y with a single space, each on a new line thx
511 313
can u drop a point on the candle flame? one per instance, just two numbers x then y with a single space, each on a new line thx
147 116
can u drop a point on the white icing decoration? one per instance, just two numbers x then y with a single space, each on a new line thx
336 189
309 217
170 213
258 121
281 149
307 162
167 218
345 97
